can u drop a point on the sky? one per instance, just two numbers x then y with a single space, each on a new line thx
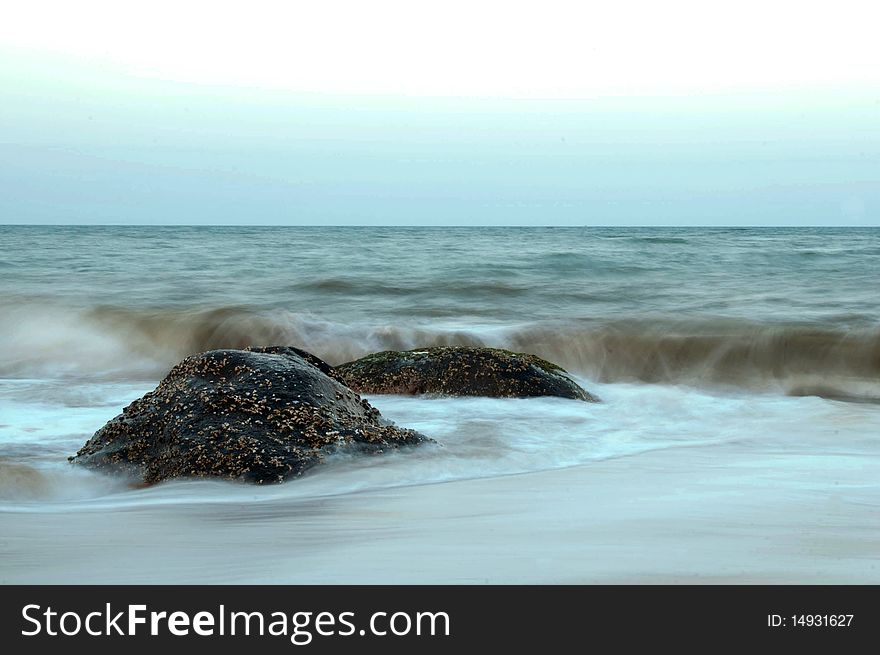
459 113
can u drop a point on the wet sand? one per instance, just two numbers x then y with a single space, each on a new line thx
728 513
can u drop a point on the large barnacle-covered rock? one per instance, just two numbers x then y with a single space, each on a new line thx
258 415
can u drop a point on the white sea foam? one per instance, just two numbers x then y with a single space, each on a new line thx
477 438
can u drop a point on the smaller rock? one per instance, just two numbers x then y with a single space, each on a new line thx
460 371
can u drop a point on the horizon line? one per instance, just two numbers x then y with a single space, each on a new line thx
435 225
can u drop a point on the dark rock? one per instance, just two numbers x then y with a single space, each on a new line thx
259 415
460 371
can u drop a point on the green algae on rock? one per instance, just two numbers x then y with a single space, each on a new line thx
460 371
259 415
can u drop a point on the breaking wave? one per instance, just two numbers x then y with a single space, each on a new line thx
41 340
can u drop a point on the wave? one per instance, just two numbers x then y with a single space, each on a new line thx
797 360
51 341
357 286
41 340
660 240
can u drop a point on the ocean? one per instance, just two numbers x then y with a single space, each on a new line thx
749 355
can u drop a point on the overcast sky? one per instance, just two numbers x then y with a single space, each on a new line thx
440 113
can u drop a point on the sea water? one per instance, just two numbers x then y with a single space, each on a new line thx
758 339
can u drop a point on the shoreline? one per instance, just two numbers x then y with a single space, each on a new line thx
699 514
